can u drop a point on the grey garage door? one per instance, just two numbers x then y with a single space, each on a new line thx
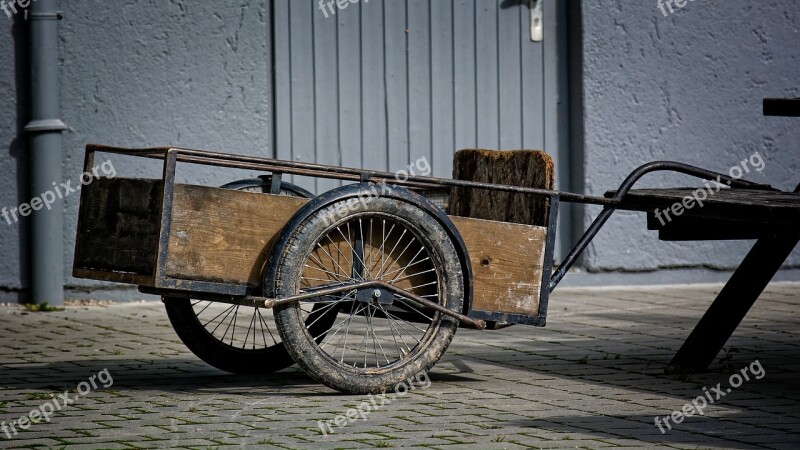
381 83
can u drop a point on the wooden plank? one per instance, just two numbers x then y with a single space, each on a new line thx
516 168
507 264
687 228
224 236
118 227
770 208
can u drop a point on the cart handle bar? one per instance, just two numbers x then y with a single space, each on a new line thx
349 173
626 186
335 172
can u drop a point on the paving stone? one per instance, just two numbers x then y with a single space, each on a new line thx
593 378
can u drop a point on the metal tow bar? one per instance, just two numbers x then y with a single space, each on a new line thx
272 302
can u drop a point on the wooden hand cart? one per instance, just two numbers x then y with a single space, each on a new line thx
368 282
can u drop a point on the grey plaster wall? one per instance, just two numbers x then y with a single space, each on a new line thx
13 189
686 87
141 73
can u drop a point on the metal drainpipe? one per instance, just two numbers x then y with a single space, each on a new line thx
47 225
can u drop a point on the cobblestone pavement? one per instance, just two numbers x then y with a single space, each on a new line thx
594 377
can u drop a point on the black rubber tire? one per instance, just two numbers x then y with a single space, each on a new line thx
307 351
211 349
219 354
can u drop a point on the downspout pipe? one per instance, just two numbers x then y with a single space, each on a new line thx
45 128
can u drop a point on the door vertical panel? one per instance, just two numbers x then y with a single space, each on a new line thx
396 41
509 50
419 80
442 114
383 83
301 53
487 74
373 93
532 92
326 92
282 80
464 75
349 51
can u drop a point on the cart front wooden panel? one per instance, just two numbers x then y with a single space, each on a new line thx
507 264
225 236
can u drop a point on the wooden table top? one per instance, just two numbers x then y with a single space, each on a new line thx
768 207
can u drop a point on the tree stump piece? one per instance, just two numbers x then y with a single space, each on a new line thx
526 168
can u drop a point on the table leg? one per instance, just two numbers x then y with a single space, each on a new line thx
732 304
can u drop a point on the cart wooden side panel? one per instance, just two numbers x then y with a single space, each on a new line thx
225 236
507 264
118 228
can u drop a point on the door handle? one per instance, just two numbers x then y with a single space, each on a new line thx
537 20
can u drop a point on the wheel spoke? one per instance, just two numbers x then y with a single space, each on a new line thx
205 308
389 257
228 311
264 323
249 327
395 280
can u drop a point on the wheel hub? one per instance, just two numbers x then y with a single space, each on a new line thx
375 296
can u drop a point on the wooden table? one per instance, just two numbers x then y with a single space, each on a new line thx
772 218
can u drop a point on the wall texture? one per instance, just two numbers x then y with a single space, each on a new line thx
142 73
13 153
686 87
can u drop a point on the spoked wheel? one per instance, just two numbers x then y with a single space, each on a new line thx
380 337
237 339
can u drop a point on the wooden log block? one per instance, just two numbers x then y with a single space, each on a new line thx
527 168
